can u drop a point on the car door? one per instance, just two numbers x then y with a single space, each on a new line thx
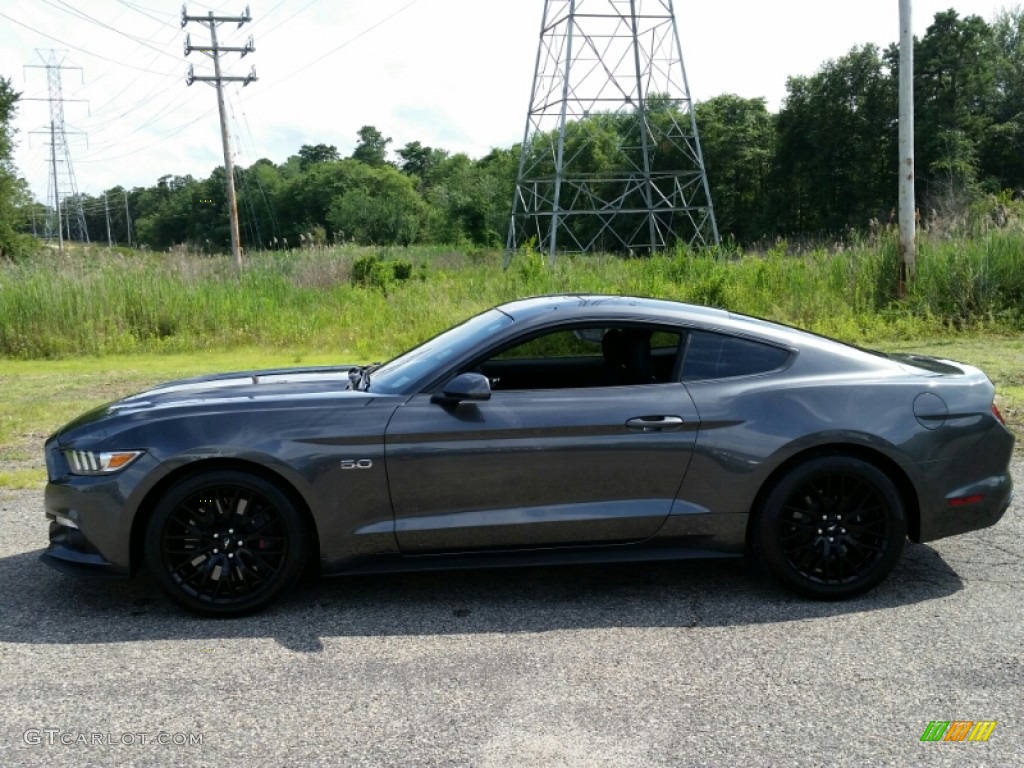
590 461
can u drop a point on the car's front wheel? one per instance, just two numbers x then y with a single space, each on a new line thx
833 527
225 543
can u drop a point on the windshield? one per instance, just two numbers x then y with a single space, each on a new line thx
398 374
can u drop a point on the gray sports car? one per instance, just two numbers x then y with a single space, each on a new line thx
561 429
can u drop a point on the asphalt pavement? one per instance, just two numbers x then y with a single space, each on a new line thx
688 664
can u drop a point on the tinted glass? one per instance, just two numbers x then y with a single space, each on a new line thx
405 369
717 356
559 344
589 356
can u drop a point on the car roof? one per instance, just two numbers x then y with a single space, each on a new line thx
636 307
583 304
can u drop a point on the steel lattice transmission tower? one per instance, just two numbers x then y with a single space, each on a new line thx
611 158
64 211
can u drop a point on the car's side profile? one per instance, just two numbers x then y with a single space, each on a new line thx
552 430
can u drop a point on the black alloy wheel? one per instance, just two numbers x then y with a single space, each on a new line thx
225 543
832 528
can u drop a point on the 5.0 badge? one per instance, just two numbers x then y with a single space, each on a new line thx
356 464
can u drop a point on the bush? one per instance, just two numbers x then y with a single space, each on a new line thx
373 271
365 301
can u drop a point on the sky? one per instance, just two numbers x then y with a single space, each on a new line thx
453 74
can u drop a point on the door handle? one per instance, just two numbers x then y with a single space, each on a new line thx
655 423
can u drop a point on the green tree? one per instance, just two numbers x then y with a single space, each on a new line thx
174 212
259 198
418 160
957 96
379 206
1000 160
953 174
469 200
305 199
317 153
836 151
372 148
596 148
111 201
14 197
737 137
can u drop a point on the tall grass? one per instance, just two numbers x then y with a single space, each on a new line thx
98 302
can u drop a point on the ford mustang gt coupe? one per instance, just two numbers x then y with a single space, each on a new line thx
560 429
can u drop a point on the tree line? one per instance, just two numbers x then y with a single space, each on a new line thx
824 164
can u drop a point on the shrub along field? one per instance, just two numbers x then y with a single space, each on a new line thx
95 326
366 302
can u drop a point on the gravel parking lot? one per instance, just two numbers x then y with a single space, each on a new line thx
668 664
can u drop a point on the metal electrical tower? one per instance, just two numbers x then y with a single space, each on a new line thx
611 158
213 50
64 211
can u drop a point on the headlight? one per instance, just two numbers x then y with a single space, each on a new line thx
91 463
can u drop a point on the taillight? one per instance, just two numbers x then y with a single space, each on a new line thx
998 415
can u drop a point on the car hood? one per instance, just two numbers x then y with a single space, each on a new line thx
278 387
283 382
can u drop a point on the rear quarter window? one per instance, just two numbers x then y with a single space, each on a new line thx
719 356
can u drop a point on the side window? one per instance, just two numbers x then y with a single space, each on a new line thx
662 341
588 356
555 345
717 356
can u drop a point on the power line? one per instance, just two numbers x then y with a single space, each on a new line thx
345 44
275 228
76 47
158 96
258 25
156 92
127 110
177 101
160 140
141 9
71 10
283 21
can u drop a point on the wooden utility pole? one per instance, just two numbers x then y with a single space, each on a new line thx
127 218
213 51
106 211
907 205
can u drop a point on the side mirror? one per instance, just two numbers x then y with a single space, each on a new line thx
465 386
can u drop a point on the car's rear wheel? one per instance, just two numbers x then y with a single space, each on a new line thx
225 543
833 527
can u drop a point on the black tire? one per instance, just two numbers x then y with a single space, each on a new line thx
225 543
833 527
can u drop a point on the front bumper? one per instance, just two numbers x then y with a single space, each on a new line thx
91 517
70 552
